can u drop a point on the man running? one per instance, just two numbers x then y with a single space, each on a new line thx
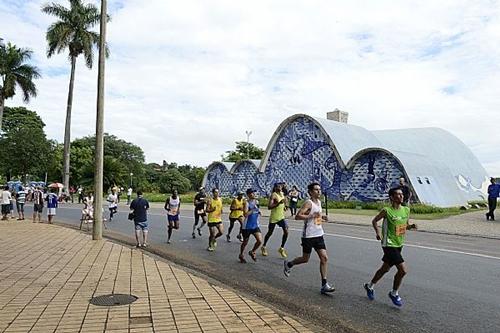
200 200
215 227
172 206
236 214
139 207
396 222
37 204
112 203
312 236
277 207
250 226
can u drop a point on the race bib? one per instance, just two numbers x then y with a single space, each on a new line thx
294 199
318 220
173 211
200 211
400 229
217 215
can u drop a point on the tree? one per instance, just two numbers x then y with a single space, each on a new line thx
14 71
24 148
172 179
244 150
72 32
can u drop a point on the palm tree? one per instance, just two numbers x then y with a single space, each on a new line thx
14 71
72 32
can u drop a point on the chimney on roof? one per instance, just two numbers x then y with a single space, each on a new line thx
337 115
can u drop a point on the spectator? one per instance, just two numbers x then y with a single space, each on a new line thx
37 204
51 205
493 192
139 208
6 196
406 191
20 200
129 195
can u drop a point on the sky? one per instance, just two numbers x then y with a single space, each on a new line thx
186 79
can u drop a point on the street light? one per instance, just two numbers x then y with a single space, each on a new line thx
248 133
131 174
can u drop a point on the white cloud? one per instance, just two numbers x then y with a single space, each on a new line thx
186 78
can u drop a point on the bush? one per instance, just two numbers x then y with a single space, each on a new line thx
173 179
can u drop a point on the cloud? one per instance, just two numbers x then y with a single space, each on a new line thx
186 79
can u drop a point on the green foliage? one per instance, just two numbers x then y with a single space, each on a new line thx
173 179
24 148
243 151
15 72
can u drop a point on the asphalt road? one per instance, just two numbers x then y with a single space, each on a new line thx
453 283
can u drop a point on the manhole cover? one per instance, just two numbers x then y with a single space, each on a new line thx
113 299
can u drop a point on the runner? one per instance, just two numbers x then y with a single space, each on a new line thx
200 200
396 222
251 226
236 214
172 206
214 210
312 236
37 204
112 203
277 207
20 200
51 205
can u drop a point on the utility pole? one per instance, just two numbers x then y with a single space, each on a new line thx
99 130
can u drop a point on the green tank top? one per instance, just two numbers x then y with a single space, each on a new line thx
394 226
278 212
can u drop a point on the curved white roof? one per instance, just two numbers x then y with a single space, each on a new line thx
441 169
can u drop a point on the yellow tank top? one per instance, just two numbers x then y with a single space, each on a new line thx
278 212
238 204
216 215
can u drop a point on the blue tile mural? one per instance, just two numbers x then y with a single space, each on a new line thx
302 154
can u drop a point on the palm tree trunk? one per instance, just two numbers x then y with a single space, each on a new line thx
67 128
2 101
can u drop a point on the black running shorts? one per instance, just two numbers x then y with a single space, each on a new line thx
247 232
392 255
316 243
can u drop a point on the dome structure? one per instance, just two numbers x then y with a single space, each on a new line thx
353 163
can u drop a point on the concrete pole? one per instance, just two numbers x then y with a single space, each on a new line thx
99 131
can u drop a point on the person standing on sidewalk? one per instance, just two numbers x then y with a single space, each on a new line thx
215 227
37 204
172 206
20 201
406 191
277 207
6 196
250 226
312 236
112 204
129 195
139 207
294 199
80 194
51 205
200 200
396 222
236 214
493 193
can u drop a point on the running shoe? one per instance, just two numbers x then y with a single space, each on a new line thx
396 299
193 235
370 293
286 269
228 238
168 242
282 252
242 259
210 249
199 231
214 244
252 255
263 250
326 288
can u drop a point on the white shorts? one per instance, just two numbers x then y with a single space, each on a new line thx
51 211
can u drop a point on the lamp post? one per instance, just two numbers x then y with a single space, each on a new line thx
248 133
99 130
131 174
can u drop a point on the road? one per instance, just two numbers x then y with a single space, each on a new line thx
453 283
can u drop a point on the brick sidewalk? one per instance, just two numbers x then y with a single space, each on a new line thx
49 273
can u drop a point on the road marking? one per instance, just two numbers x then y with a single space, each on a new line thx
412 245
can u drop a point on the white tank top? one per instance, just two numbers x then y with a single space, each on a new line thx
174 206
313 226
